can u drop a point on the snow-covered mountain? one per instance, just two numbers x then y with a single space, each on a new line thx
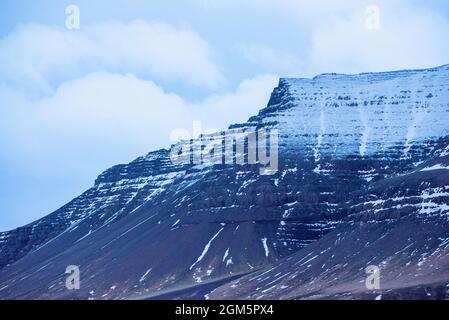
362 180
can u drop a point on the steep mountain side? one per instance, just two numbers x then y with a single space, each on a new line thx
400 225
152 226
116 192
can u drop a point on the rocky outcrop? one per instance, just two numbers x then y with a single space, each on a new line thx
153 226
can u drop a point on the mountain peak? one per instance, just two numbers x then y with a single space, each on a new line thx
352 149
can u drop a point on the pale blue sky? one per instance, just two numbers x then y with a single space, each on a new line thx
75 102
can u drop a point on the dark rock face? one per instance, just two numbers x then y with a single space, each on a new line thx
400 224
356 171
117 192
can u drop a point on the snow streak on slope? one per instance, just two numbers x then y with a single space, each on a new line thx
206 248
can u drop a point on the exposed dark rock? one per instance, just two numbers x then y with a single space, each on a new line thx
353 153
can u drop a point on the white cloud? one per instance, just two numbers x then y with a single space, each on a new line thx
102 119
408 37
73 103
251 95
305 38
38 57
271 59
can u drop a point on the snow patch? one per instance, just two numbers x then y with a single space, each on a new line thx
225 255
265 246
206 248
144 277
435 167
174 224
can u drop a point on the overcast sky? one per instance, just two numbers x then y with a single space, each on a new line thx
74 102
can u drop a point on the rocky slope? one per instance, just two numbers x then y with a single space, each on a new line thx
399 224
350 148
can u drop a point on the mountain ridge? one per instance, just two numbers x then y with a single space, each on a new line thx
137 214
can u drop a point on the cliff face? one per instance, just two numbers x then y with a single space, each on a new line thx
351 150
398 224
